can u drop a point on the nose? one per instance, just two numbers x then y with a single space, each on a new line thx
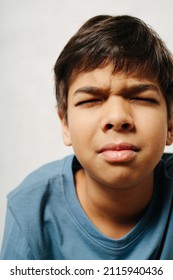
117 115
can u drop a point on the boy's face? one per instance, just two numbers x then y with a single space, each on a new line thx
117 125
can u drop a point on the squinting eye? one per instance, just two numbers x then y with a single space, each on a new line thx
143 100
89 102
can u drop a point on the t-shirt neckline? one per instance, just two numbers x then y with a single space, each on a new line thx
82 221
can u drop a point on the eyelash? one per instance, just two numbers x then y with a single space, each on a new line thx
89 102
139 100
143 100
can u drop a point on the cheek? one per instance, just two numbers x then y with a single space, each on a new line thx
154 127
80 131
81 124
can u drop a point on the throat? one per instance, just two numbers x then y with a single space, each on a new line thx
113 212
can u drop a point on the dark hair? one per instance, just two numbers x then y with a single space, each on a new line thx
125 41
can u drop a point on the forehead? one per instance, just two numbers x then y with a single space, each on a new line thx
106 77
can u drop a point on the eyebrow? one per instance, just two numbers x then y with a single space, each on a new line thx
135 89
92 90
143 87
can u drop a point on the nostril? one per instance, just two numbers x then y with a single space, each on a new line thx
125 126
109 126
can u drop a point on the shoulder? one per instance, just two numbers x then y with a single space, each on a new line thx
32 207
167 159
40 182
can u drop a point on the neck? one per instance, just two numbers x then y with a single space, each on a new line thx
114 211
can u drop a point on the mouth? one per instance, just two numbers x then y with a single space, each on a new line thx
122 152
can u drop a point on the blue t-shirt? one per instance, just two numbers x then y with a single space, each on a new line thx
45 220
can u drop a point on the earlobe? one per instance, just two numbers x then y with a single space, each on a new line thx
169 140
65 130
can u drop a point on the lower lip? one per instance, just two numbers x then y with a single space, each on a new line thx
118 156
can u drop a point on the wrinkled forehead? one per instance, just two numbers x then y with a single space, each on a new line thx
109 69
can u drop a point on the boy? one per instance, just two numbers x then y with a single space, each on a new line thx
113 199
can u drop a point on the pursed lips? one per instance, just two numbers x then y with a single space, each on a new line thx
121 152
118 147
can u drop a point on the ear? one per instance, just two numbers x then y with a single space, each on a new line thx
169 140
65 130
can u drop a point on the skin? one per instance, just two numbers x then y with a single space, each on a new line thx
127 114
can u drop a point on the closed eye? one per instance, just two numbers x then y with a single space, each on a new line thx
143 100
89 102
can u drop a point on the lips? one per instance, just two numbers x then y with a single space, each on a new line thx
118 147
122 152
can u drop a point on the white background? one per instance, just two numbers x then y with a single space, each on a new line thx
86 269
32 34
